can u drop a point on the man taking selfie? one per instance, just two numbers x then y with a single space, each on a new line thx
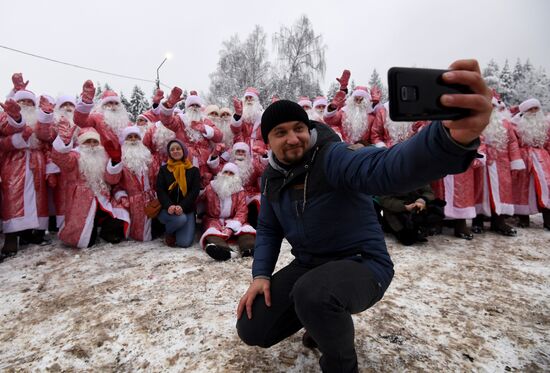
316 193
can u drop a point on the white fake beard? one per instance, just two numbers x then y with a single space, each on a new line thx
192 115
92 163
251 111
398 131
226 185
136 157
533 129
356 123
245 168
505 115
495 134
58 113
143 128
117 119
314 114
224 126
162 137
215 120
30 115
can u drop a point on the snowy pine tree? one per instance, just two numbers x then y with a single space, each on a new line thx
375 80
98 90
138 103
125 102
491 75
506 90
332 89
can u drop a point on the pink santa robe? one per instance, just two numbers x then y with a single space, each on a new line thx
23 174
251 134
139 191
381 135
156 146
493 181
82 202
83 118
230 212
336 119
532 185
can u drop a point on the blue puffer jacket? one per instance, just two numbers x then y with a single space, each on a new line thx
323 205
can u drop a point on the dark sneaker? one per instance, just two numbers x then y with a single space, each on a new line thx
170 240
217 252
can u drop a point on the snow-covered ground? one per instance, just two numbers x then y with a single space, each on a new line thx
454 305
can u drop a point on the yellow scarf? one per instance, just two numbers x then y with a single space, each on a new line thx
178 169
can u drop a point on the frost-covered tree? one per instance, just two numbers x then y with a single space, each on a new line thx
241 65
517 74
491 75
138 103
125 102
300 60
506 89
376 80
98 90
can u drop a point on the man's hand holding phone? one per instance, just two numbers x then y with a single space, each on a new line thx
467 72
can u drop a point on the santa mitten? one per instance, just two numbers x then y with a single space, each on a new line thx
64 130
198 126
159 95
238 105
46 105
343 80
259 150
218 149
88 92
338 100
12 109
18 83
113 150
27 133
174 98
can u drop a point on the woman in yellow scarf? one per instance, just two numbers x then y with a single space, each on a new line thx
178 186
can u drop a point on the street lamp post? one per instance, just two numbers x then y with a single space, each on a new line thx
167 57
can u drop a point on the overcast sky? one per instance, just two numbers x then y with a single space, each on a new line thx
132 37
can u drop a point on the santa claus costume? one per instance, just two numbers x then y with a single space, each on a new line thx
136 186
494 186
353 121
89 174
319 105
225 216
24 193
533 184
385 132
247 119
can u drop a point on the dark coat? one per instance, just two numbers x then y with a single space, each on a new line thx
167 198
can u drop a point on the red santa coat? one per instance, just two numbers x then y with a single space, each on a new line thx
82 202
381 135
23 174
230 212
83 118
532 185
199 147
139 190
493 181
251 134
335 120
157 146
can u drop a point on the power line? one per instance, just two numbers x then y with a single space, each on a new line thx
82 67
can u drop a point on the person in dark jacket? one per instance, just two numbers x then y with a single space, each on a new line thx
410 216
178 186
316 193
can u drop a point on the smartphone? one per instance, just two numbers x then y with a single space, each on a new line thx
415 94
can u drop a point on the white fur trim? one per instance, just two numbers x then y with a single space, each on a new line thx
225 207
529 104
111 98
361 93
380 144
241 146
541 179
518 164
15 124
320 101
64 99
86 234
451 211
60 146
213 163
18 141
166 111
500 208
209 131
44 117
305 102
232 167
225 156
234 225
246 229
83 107
24 95
236 123
114 170
485 206
211 232
52 168
120 194
329 114
193 100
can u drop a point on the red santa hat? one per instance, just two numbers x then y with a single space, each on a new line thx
193 99
320 100
87 133
361 92
212 108
24 95
241 146
65 99
253 92
148 116
231 167
304 101
529 104
109 96
129 131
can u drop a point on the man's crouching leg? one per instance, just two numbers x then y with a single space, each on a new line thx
325 298
270 325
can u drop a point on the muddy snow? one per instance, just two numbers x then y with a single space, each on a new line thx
481 305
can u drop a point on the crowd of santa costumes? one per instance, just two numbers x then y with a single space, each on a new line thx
79 167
